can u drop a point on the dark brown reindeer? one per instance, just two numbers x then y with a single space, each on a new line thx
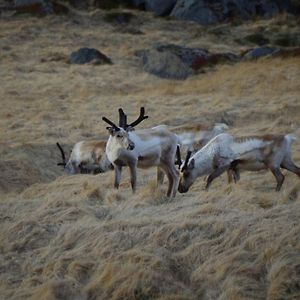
142 149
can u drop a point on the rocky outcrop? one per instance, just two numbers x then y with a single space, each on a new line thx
176 62
89 55
207 12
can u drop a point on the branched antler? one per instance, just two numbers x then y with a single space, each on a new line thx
139 119
123 120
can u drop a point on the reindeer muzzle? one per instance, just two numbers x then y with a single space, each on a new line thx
182 189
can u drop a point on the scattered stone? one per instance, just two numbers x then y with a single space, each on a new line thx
89 55
260 52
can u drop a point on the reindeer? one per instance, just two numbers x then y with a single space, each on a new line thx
198 134
225 153
86 157
142 149
213 159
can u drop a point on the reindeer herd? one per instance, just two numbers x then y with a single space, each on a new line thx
210 152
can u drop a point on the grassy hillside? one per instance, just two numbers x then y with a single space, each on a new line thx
75 237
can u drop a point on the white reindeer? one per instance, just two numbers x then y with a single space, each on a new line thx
86 157
225 152
142 148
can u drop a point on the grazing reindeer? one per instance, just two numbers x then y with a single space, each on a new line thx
86 157
225 153
213 159
143 149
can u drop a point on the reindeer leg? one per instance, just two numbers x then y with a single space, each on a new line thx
288 164
170 178
175 175
118 171
234 171
171 183
216 173
160 176
133 167
279 177
230 176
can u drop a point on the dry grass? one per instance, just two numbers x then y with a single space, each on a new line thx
75 237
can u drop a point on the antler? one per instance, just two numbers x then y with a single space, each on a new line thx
139 119
178 157
122 119
188 155
111 123
63 163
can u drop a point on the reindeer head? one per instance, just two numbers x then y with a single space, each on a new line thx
119 135
188 173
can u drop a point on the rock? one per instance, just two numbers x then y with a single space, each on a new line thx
165 64
197 11
88 55
159 7
176 62
260 52
207 12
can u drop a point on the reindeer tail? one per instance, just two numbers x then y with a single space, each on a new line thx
290 138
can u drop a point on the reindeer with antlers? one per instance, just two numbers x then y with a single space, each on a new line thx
142 149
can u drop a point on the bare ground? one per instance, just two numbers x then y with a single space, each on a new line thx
75 237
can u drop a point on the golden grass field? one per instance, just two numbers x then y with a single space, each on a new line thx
75 237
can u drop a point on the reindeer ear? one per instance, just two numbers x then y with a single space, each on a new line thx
191 164
111 130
